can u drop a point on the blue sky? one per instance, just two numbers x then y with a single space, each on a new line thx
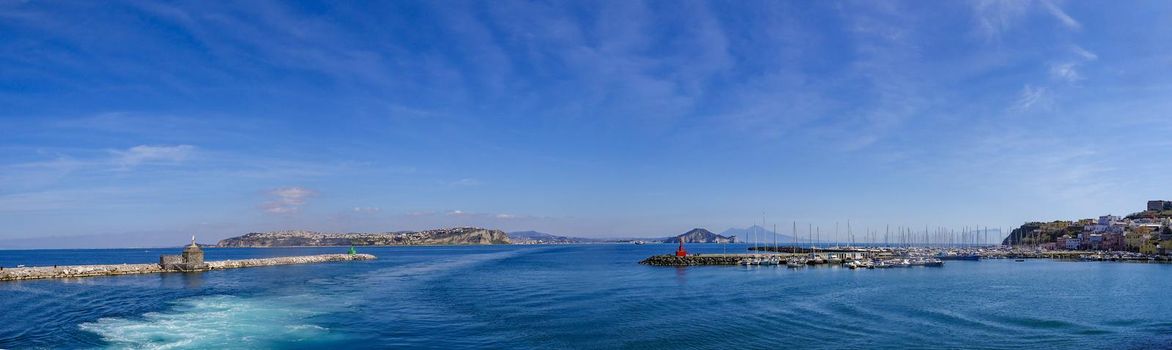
140 123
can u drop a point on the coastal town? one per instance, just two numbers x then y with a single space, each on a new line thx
1148 232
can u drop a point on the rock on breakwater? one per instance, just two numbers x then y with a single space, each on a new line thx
692 260
310 259
72 271
31 273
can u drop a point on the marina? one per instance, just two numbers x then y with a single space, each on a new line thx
796 260
884 257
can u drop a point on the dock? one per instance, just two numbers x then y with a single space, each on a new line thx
714 259
75 271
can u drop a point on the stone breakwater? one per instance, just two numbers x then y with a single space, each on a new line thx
289 260
692 260
72 271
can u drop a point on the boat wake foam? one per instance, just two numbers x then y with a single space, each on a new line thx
216 322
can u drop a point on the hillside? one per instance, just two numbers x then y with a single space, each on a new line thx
1151 214
534 237
699 235
459 235
762 235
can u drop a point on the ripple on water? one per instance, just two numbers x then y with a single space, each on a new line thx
588 297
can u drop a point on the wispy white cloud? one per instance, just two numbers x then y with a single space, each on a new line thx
466 182
1031 97
287 199
55 167
162 127
1068 69
147 154
894 93
1083 53
995 17
39 173
1061 15
367 209
758 84
1065 71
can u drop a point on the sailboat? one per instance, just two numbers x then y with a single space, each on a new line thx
773 258
794 261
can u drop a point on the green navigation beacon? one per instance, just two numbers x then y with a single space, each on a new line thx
352 252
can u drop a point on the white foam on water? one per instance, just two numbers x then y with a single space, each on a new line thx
216 322
233 322
439 267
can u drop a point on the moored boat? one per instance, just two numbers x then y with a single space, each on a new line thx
795 263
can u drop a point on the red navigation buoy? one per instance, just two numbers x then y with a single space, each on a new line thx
681 251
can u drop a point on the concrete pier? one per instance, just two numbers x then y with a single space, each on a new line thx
43 272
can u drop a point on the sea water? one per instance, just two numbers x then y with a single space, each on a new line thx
582 296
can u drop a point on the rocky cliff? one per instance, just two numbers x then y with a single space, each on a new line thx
459 235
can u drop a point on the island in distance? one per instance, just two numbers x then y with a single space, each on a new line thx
534 237
452 236
298 238
696 235
699 235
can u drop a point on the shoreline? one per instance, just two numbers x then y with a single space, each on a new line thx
334 246
292 246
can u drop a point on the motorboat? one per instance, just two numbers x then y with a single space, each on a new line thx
795 263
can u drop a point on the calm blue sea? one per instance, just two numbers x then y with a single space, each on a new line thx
583 297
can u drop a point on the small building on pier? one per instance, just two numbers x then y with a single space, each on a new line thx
191 259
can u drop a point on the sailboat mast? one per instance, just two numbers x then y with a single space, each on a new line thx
776 248
754 233
794 237
766 242
850 236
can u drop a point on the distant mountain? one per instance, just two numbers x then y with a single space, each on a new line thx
699 235
534 237
459 235
761 234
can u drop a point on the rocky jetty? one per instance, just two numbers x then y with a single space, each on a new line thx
446 236
30 273
692 260
73 271
288 260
